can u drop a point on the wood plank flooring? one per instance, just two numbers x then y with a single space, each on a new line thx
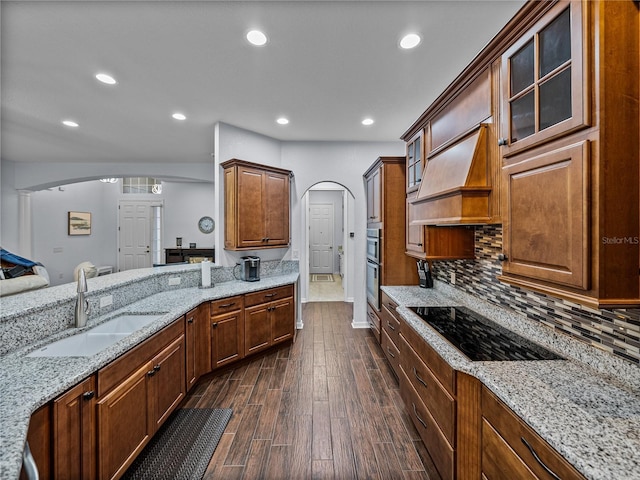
326 407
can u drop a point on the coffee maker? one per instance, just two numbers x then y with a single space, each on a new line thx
250 268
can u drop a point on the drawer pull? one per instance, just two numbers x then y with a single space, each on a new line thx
391 326
389 352
269 295
415 373
415 412
88 395
227 305
156 368
190 320
214 324
151 373
535 455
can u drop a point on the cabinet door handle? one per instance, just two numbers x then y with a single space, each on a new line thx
88 395
415 412
156 368
214 324
415 373
419 244
151 373
190 320
227 305
390 326
502 257
390 353
537 458
502 142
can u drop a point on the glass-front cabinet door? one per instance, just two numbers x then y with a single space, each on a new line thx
544 80
414 161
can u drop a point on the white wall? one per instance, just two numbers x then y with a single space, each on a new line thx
184 204
311 163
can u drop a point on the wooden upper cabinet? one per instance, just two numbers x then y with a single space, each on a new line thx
566 232
547 222
374 200
257 206
544 80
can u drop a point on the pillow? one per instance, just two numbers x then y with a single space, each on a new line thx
22 284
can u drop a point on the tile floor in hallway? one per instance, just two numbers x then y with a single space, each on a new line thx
326 291
326 407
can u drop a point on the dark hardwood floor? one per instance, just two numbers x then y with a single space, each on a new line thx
325 407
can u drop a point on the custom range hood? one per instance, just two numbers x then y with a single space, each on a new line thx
455 183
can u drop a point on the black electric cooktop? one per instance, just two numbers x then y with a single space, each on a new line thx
479 338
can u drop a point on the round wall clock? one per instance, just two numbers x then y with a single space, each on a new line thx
206 224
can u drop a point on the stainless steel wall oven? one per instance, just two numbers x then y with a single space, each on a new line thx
373 267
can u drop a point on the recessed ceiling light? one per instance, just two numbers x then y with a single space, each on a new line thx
282 120
105 78
257 38
410 40
70 123
368 121
179 116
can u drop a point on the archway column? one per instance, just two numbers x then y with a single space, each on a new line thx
25 241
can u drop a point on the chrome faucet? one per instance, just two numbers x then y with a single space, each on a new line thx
82 305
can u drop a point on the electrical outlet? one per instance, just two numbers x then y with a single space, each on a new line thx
174 281
106 301
57 249
453 278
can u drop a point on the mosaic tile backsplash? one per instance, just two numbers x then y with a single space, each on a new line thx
615 331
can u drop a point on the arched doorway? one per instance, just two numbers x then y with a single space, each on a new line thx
328 218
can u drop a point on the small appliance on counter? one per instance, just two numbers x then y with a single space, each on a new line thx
424 274
250 268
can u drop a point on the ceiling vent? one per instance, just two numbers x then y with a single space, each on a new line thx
455 184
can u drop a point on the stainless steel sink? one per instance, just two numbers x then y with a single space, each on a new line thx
98 338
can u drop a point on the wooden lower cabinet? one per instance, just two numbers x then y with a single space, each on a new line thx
270 322
74 424
511 449
97 428
39 438
125 424
197 334
227 331
130 414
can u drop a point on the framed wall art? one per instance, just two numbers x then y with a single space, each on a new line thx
79 223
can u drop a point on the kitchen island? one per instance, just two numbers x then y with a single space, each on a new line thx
28 383
587 407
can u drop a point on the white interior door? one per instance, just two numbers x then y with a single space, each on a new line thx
321 237
134 236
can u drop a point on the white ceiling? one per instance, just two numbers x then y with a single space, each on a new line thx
327 65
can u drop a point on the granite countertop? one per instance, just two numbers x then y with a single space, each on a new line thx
27 383
587 407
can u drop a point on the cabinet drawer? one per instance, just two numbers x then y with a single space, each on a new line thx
387 302
440 369
226 305
524 441
374 322
123 366
434 440
391 351
390 324
499 462
440 404
251 299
